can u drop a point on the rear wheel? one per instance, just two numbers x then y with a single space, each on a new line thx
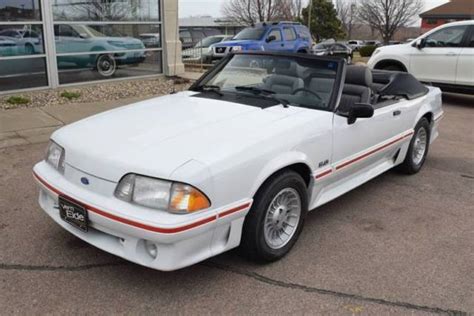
276 218
418 148
29 49
393 68
106 65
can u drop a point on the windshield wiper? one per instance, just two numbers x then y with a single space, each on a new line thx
210 88
254 89
269 94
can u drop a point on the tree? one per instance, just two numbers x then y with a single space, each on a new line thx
290 10
252 11
323 22
387 16
347 11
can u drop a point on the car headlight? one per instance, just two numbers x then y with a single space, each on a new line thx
173 197
117 43
55 156
376 52
320 53
236 48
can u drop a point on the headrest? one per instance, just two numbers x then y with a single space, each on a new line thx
359 75
286 67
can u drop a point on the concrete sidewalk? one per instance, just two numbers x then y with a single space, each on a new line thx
35 125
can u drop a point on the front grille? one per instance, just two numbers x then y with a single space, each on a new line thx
220 50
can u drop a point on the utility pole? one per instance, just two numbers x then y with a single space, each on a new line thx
309 14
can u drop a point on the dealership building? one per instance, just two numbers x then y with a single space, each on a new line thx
54 43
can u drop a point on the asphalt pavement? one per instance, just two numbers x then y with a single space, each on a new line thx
396 245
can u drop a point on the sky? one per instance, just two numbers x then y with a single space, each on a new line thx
213 7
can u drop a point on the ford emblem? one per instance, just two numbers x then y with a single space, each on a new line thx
85 181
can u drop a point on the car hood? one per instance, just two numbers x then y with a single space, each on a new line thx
156 136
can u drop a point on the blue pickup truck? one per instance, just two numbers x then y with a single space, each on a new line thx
268 36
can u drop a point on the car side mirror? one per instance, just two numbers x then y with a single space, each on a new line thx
360 110
271 38
420 43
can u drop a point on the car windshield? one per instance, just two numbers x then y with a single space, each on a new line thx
250 33
208 41
87 30
299 81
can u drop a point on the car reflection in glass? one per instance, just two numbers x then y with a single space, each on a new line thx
83 38
7 46
26 42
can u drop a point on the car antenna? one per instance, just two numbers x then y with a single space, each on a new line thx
175 77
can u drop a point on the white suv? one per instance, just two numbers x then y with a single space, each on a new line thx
443 57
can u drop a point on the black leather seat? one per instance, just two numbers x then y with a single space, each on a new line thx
357 87
285 80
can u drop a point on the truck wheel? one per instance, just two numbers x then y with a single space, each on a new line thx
106 65
276 218
418 148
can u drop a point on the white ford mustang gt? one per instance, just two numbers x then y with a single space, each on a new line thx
239 159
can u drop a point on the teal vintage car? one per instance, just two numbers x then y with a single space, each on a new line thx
83 38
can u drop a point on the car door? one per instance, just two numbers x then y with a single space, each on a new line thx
370 144
274 45
436 60
465 65
289 36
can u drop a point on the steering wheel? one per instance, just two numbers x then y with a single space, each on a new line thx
308 91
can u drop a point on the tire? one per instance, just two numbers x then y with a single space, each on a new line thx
106 65
256 239
29 49
393 68
414 160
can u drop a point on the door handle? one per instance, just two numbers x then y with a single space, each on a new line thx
282 45
451 54
397 112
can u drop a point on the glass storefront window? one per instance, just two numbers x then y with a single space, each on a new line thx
91 67
20 10
109 10
17 40
22 73
78 38
93 40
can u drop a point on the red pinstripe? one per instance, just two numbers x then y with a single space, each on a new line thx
356 159
141 225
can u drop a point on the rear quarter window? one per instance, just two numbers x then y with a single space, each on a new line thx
303 33
289 34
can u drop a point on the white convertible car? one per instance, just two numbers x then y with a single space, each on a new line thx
238 160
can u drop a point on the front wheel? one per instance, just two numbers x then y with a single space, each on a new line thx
418 148
276 218
106 65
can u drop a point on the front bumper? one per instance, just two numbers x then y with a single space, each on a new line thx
182 241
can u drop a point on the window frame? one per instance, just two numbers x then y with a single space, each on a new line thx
270 31
293 32
462 42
